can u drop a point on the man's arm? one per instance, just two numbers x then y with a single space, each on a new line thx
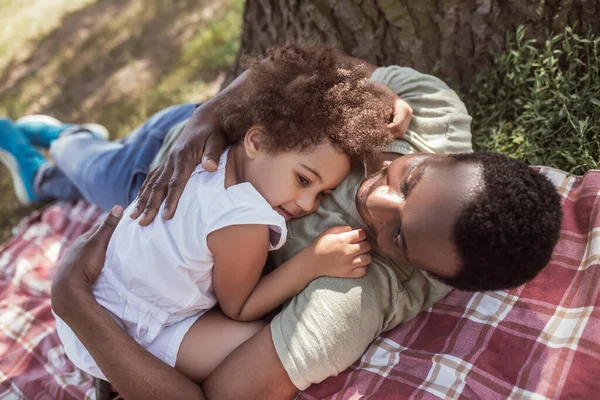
203 141
135 372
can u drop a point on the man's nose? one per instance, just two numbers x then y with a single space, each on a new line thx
385 204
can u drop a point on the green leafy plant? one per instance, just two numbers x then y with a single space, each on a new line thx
540 102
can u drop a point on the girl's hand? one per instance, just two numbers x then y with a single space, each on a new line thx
339 252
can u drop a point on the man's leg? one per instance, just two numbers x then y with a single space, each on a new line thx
21 159
42 130
107 173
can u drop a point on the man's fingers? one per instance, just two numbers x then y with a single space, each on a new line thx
144 194
214 147
107 226
402 116
158 193
181 174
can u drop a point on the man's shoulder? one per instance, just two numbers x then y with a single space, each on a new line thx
440 121
417 290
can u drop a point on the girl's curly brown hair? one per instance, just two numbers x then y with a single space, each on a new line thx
304 95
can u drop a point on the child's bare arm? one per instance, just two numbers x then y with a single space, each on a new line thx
240 253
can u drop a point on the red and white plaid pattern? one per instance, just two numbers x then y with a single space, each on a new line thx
33 364
539 341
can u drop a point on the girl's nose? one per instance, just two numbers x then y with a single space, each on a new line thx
306 203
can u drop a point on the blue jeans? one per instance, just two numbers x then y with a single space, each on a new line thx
102 172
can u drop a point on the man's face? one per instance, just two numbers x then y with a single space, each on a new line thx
413 205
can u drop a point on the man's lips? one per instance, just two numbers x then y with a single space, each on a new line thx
364 190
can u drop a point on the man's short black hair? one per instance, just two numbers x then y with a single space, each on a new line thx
507 234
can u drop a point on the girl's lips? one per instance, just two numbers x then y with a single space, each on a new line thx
283 213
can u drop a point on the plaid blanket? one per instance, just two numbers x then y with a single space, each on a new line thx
539 341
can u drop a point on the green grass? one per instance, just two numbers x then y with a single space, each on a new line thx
540 102
110 62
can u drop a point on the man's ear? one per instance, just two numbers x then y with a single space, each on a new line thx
253 141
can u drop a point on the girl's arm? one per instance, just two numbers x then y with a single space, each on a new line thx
240 254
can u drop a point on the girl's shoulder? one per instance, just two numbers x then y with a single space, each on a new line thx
241 204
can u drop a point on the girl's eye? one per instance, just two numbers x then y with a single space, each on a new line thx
303 180
405 185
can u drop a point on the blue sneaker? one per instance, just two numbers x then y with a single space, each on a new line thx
21 159
42 130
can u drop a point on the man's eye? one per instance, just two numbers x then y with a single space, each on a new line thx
398 238
404 187
303 180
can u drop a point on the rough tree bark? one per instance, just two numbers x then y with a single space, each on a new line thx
450 38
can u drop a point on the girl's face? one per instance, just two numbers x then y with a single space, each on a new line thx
294 183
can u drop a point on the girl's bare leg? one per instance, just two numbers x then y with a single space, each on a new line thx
209 341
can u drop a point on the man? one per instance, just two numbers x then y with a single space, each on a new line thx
429 214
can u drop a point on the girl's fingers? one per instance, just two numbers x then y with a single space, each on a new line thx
361 260
355 236
359 272
359 248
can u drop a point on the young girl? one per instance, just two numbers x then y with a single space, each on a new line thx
302 118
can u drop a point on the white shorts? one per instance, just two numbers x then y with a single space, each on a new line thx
165 346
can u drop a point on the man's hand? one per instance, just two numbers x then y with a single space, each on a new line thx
202 141
135 372
82 264
402 116
402 113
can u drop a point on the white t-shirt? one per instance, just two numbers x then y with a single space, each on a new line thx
158 275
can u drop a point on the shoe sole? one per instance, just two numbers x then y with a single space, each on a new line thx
98 129
46 119
13 167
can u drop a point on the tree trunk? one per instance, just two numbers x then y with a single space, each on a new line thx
449 38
